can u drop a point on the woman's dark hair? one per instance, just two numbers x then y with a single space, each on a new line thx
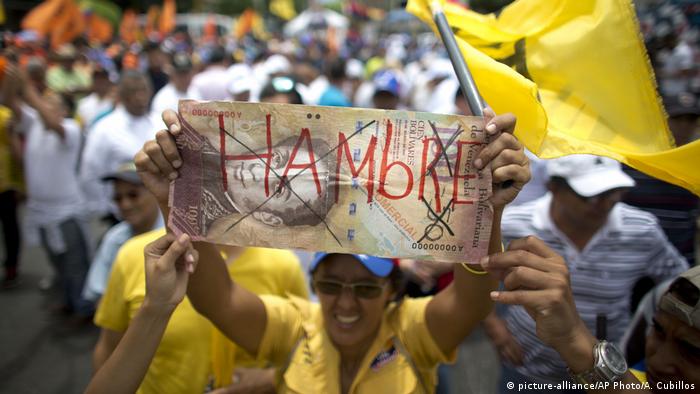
282 85
398 283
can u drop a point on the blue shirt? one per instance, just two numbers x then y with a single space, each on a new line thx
334 97
101 266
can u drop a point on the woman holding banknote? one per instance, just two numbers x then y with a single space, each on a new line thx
359 338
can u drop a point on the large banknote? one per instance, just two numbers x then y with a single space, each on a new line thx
384 183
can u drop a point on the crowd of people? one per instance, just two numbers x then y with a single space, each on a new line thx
595 260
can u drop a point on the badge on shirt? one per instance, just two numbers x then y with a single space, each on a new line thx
383 358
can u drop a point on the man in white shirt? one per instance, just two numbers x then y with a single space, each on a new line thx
99 101
179 87
116 138
55 206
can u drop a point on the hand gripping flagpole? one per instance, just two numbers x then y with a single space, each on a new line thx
464 76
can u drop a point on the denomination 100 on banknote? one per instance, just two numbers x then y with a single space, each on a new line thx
384 183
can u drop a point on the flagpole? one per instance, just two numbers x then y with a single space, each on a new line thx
464 76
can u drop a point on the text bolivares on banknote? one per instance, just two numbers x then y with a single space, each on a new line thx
384 183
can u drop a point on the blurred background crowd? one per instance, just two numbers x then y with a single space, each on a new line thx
83 84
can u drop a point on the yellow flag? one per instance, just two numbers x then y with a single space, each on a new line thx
593 78
283 8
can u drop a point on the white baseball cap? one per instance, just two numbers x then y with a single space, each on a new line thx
589 175
240 79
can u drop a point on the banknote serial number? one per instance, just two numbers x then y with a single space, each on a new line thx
213 112
437 246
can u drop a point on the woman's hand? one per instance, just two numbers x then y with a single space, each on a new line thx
169 262
158 161
510 168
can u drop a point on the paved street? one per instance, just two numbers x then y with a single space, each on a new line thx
39 352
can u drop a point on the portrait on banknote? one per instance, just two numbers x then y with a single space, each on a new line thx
387 183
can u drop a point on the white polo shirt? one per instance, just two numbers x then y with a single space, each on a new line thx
629 246
112 141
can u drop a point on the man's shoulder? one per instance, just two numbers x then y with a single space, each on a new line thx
90 99
106 124
633 216
118 233
521 216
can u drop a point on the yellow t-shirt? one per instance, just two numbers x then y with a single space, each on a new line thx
640 375
295 339
183 361
10 168
261 271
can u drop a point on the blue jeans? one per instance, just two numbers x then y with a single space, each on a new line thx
71 265
510 375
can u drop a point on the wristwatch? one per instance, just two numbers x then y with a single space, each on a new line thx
609 365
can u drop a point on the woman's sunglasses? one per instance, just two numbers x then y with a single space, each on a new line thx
360 290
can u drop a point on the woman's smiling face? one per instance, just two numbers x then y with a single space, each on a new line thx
351 320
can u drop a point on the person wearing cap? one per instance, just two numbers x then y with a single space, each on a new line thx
178 88
281 90
210 84
537 279
386 90
139 212
242 84
676 208
360 338
607 246
99 101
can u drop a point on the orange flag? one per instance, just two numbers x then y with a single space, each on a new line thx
41 17
68 24
129 28
166 23
151 19
62 20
